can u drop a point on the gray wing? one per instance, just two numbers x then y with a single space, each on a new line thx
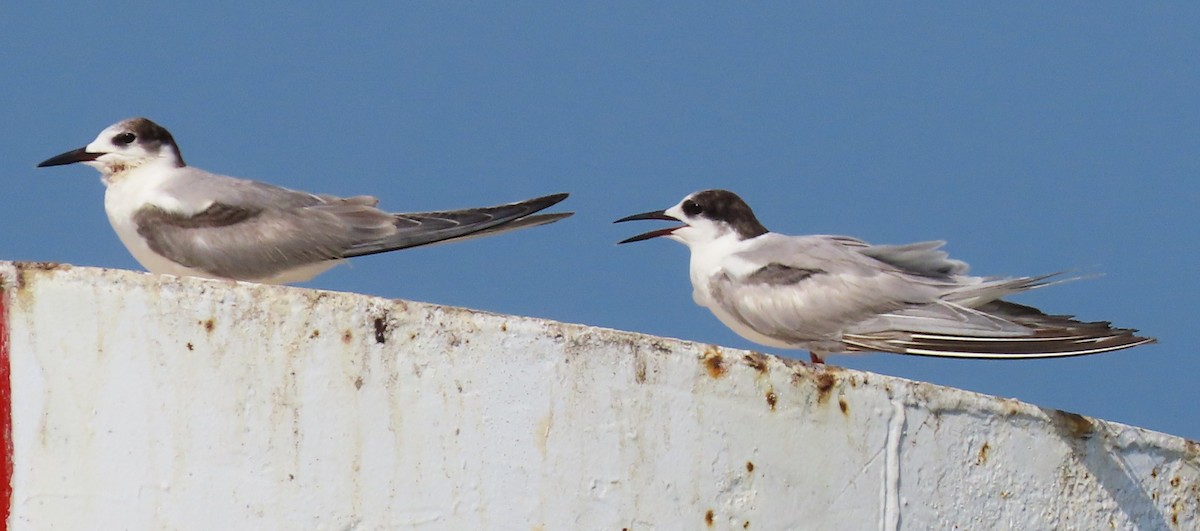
811 288
249 230
423 228
923 258
912 300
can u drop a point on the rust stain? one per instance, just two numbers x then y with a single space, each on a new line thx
1175 481
504 326
1175 508
639 370
315 334
771 399
746 524
1191 448
1073 424
713 362
982 457
381 329
708 518
358 382
27 269
750 467
756 361
347 336
208 325
44 266
842 405
1154 472
825 382
1011 407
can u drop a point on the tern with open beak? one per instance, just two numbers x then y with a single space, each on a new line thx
836 294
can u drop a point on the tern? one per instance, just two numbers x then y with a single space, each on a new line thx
837 294
180 220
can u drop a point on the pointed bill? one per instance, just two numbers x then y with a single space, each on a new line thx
70 157
655 215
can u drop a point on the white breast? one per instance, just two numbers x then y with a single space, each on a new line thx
135 189
127 193
718 257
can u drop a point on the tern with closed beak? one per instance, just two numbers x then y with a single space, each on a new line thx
180 220
836 294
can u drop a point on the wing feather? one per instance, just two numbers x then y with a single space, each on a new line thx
246 230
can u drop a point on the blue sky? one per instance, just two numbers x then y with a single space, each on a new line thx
1033 137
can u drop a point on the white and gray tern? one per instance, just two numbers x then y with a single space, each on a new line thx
836 294
181 220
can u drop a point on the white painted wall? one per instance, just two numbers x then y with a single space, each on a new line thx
146 402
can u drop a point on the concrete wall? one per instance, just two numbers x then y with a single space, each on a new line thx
147 402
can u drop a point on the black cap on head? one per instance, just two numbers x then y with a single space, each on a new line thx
727 207
150 134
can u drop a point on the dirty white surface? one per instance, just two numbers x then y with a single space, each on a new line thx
147 402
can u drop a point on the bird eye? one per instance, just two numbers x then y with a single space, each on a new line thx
125 138
692 208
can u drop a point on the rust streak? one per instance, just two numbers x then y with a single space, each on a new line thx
982 457
825 382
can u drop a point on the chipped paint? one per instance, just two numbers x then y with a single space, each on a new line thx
756 361
301 409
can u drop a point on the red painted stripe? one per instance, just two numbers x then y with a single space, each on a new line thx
6 443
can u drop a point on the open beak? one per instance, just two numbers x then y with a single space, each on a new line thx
70 157
657 214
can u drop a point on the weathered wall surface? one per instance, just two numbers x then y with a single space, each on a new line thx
146 402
